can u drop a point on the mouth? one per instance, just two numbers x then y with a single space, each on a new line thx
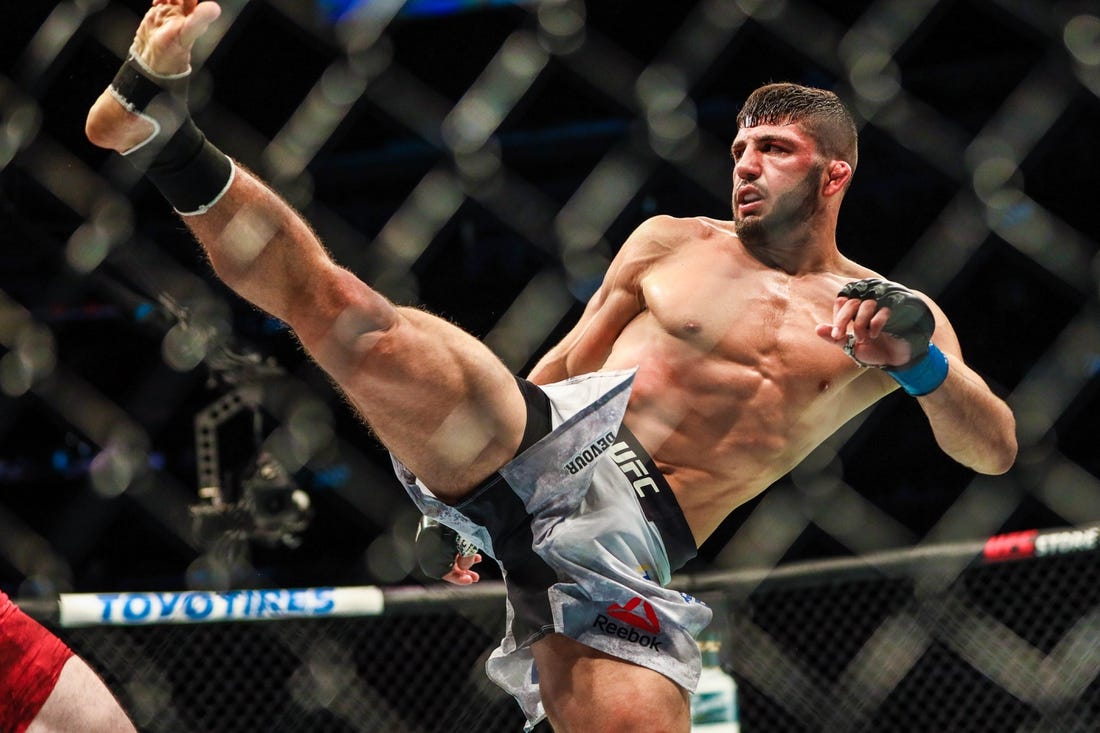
748 200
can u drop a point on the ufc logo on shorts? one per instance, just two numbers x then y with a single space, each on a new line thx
633 469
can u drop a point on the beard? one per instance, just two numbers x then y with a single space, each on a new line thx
788 212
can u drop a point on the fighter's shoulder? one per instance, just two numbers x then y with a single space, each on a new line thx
666 233
687 226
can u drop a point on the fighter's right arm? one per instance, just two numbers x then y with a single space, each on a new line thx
615 304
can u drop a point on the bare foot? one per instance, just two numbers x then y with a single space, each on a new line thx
169 30
110 125
163 45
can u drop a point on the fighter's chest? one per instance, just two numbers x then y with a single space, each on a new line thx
715 305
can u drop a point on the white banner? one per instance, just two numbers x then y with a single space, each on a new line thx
200 606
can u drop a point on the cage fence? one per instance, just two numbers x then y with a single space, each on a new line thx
486 165
961 637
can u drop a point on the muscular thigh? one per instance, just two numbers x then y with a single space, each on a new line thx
438 398
584 689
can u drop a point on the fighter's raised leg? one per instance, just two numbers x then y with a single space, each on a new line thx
438 398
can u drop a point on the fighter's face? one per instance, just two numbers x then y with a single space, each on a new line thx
773 215
777 178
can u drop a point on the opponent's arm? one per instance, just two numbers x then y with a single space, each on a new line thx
892 329
614 305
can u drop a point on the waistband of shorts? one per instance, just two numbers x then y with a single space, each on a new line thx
506 512
660 507
538 414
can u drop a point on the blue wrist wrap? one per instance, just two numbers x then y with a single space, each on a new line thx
924 376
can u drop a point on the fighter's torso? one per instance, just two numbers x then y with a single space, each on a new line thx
734 387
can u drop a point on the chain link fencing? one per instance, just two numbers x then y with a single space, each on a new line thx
486 165
959 638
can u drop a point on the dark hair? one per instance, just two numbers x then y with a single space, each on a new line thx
818 110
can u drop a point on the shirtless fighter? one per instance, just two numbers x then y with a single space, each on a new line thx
714 357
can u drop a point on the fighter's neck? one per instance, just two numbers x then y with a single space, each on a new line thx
795 256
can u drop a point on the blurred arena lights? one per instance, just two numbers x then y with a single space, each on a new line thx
338 10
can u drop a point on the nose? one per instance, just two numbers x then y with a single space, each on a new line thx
747 167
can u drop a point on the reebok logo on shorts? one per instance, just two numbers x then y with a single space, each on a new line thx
635 622
645 619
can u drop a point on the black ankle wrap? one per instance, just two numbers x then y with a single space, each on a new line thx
188 170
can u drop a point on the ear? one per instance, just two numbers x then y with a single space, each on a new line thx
839 173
